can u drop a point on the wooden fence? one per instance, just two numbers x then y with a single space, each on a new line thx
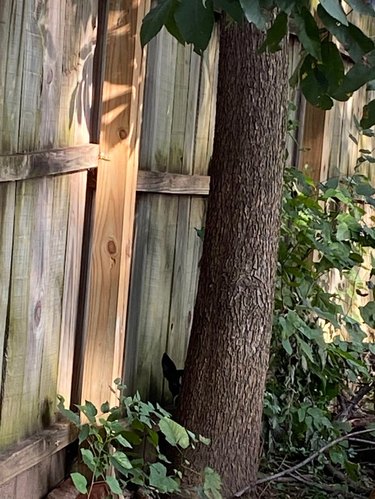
71 91
176 144
45 106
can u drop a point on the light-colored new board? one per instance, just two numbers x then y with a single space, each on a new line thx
114 204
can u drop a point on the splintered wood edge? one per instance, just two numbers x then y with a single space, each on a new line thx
172 183
50 162
30 452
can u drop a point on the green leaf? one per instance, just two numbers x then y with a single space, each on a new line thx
301 413
232 8
308 32
276 33
357 76
80 482
204 440
154 21
174 433
68 414
368 117
114 485
160 480
287 346
306 348
105 407
314 84
364 189
254 13
84 433
121 459
365 7
333 66
195 22
343 232
368 313
173 29
333 7
122 441
89 410
211 483
88 458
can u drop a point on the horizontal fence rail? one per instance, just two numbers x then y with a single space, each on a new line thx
43 163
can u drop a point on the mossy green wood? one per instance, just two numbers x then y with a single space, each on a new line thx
45 98
7 205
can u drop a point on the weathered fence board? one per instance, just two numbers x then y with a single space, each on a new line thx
45 73
19 458
7 204
35 307
171 183
177 134
151 288
37 481
77 72
54 292
203 140
77 195
45 104
52 162
188 249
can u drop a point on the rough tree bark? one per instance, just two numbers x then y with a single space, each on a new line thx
226 366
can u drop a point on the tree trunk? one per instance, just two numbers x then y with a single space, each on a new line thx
227 361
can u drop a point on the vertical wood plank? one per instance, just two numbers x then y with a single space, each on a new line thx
207 107
158 106
312 142
31 77
179 103
77 66
7 205
5 16
13 32
51 25
151 293
115 198
27 298
53 311
77 193
35 307
191 215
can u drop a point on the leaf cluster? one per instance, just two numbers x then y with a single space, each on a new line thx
318 349
130 438
327 36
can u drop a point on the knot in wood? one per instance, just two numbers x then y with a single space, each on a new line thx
111 247
37 313
122 133
49 76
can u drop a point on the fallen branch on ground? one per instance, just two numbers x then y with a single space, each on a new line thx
313 456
